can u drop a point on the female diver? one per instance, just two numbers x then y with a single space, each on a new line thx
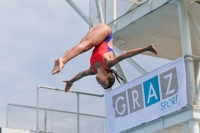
102 59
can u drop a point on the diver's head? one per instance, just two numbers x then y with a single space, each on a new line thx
106 80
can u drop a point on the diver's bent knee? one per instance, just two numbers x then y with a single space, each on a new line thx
87 45
84 48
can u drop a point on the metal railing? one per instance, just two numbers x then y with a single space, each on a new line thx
72 104
20 117
59 112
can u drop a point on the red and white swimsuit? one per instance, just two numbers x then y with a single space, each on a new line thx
99 51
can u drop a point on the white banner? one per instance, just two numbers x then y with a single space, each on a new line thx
147 98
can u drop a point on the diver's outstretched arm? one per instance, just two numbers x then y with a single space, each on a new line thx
70 82
131 53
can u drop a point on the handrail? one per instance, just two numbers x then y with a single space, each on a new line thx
192 56
58 89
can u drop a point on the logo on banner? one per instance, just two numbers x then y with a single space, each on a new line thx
160 87
169 87
151 91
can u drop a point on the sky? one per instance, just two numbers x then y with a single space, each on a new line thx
33 33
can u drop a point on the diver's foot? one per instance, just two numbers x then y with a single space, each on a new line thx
152 49
58 65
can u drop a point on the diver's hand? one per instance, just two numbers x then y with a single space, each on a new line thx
68 85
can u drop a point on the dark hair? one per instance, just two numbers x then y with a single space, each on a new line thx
111 78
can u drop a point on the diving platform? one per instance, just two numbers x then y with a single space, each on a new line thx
157 23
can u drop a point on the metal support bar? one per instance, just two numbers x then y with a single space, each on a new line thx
100 12
132 62
7 116
37 110
194 21
117 66
192 56
78 113
105 11
184 27
198 94
185 128
187 49
115 9
121 73
78 10
45 120
194 126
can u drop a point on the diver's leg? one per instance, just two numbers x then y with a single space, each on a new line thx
93 38
70 54
136 51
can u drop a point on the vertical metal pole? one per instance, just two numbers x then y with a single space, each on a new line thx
194 21
37 110
45 120
115 9
7 116
117 66
194 126
78 113
105 11
100 12
184 27
187 49
115 13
